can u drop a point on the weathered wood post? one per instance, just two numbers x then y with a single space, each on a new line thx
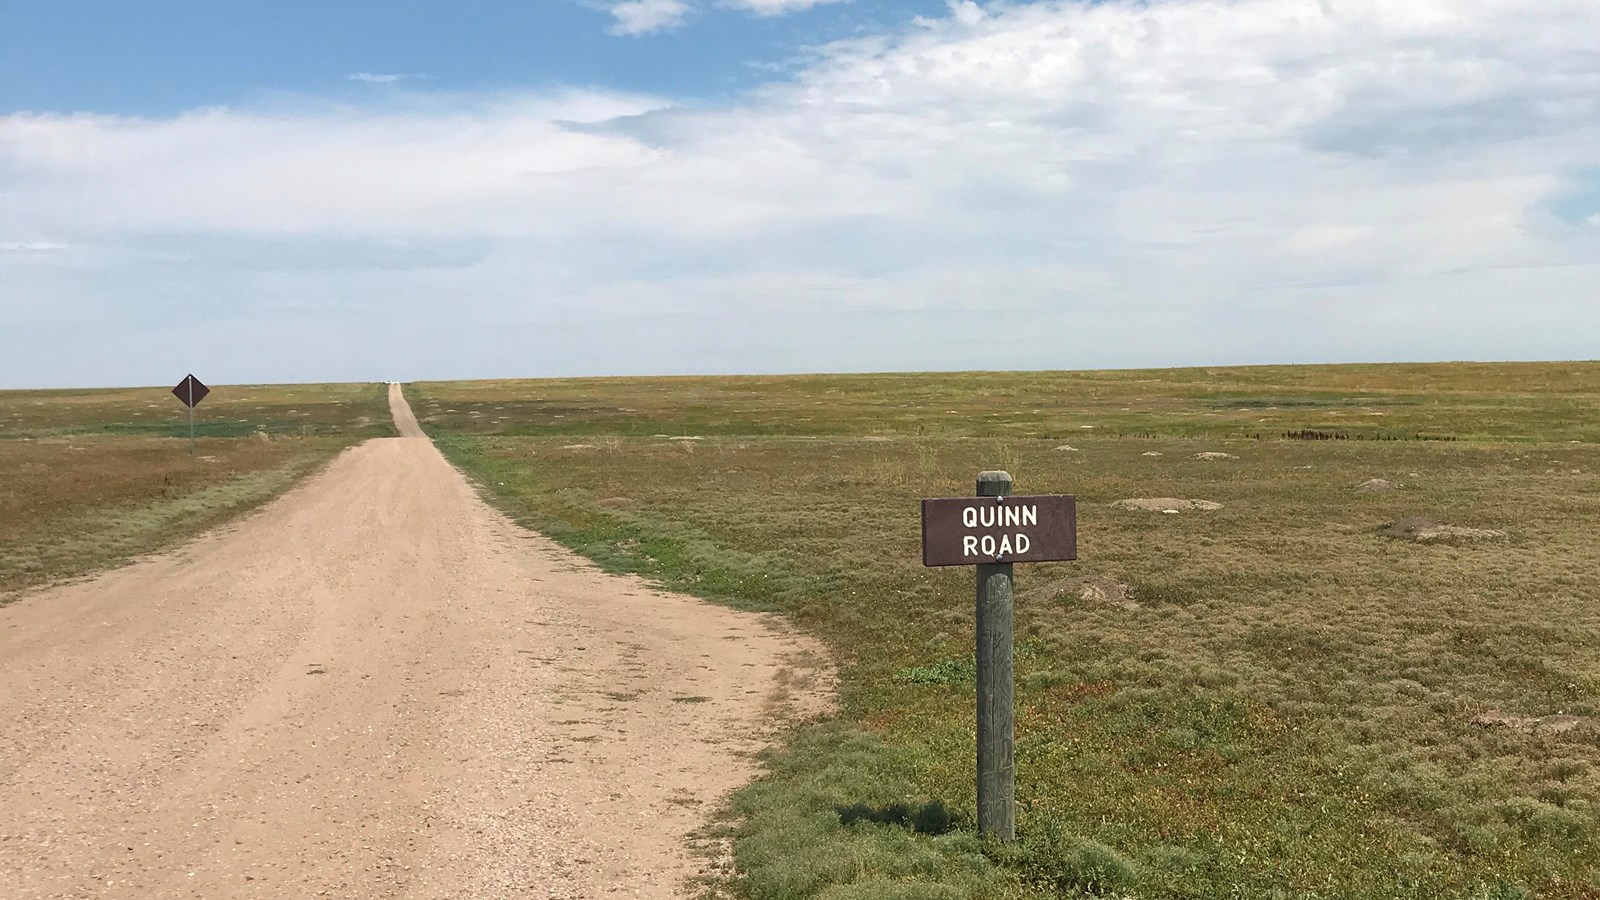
997 768
991 532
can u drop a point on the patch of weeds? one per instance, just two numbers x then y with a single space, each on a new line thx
1546 822
950 671
1047 680
1565 769
888 889
1164 593
1174 859
1050 858
1500 890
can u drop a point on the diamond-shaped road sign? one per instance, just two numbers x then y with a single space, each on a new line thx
190 391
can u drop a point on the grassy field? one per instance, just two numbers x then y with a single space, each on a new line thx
90 478
1270 699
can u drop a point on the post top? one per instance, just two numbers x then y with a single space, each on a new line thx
994 484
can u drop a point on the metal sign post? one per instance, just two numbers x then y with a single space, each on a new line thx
993 531
191 391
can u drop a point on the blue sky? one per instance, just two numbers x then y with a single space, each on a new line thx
306 191
161 58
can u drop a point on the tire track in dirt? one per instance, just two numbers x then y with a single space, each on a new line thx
376 687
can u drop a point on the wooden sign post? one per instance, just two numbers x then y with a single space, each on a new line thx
997 767
992 531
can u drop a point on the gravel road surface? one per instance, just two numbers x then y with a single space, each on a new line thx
377 686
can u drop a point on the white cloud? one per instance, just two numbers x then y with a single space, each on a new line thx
776 7
636 17
381 78
30 246
474 169
1161 182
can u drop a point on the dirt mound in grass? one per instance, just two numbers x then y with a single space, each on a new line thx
1094 589
1377 486
1164 504
1426 531
1108 591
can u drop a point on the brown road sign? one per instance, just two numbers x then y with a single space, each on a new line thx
969 531
190 391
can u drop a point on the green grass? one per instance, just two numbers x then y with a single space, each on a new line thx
1505 402
1285 708
91 478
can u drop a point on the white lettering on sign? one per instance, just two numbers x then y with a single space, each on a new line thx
989 545
999 516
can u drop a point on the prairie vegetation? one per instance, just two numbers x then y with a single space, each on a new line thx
1270 694
89 478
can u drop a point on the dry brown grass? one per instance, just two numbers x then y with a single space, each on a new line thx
88 478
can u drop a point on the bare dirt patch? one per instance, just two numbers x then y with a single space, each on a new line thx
1165 504
1098 589
1420 530
1108 591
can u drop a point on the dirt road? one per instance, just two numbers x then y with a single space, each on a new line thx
375 687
